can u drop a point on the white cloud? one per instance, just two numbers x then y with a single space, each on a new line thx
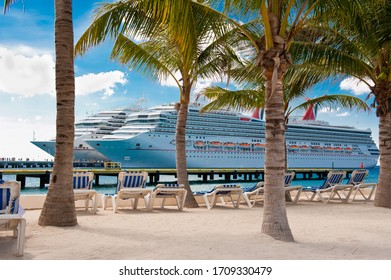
27 72
344 114
336 112
355 86
102 82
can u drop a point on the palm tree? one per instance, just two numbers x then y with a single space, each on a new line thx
282 20
59 206
360 47
177 42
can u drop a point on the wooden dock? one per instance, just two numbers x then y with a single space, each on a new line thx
205 175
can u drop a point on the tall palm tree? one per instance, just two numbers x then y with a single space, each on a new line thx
282 20
59 206
177 42
360 46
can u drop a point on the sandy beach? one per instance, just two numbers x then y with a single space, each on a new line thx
332 231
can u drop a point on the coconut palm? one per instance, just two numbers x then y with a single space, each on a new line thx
177 42
360 46
59 206
282 20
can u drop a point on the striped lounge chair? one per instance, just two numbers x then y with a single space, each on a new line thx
131 187
165 191
82 189
11 213
234 192
357 179
332 185
251 194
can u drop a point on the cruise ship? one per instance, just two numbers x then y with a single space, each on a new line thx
92 127
226 139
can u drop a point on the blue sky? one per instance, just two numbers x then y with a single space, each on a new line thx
27 95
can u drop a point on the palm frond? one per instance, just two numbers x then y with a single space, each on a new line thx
136 57
333 101
238 100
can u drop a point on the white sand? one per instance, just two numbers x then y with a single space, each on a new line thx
322 231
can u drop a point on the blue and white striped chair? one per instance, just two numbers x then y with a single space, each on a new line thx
82 189
357 179
331 185
251 194
131 186
165 191
234 192
11 213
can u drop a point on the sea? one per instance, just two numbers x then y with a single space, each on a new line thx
108 183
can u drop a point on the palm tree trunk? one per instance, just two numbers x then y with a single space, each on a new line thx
275 221
180 144
59 206
383 192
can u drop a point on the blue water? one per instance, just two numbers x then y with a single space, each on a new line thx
108 183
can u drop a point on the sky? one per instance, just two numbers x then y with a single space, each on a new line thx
27 89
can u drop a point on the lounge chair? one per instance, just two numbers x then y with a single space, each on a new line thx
11 213
222 191
82 189
343 192
131 186
165 191
357 179
331 185
258 189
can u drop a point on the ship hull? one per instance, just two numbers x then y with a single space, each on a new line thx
157 151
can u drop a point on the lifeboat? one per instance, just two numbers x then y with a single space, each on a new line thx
317 148
215 144
329 149
259 146
348 150
304 148
199 144
229 144
244 146
338 150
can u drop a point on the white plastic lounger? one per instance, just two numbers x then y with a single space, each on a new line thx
359 189
334 177
250 195
343 192
222 191
82 189
11 213
165 191
131 186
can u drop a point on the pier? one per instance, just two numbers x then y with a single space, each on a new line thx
205 175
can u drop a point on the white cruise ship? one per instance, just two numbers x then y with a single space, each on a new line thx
224 139
92 127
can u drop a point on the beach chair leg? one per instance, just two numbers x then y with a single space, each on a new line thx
21 237
247 199
206 201
371 193
135 203
163 202
95 203
182 200
147 201
87 203
114 203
